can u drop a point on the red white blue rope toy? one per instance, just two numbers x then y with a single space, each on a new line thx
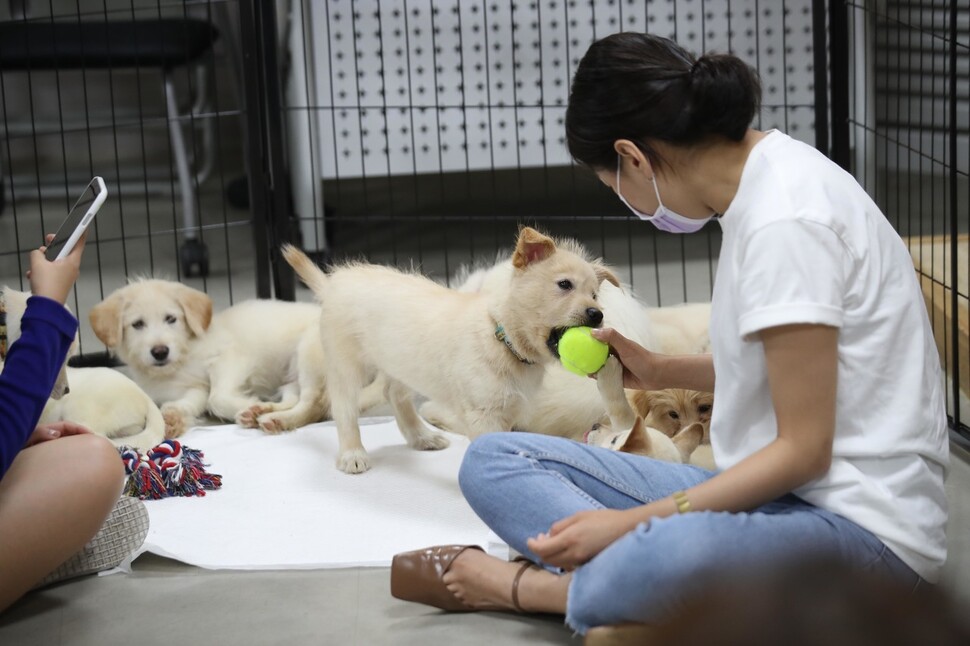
169 469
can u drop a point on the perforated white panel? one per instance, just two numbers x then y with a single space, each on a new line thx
409 86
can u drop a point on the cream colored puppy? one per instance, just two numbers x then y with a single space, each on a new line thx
109 404
481 355
15 304
567 405
627 431
266 366
644 440
156 328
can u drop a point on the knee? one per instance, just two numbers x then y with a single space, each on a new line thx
101 460
480 461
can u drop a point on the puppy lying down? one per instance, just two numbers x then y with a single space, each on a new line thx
109 404
681 417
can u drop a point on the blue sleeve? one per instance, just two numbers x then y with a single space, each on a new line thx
33 361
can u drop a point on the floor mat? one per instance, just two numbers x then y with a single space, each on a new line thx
284 505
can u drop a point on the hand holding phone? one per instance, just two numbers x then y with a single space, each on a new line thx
77 220
55 279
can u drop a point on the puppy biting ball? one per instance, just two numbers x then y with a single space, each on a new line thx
581 353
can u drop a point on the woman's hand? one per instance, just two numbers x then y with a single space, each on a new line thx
639 364
55 430
574 540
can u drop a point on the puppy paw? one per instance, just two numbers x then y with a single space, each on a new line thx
430 442
272 425
354 461
611 372
249 417
175 423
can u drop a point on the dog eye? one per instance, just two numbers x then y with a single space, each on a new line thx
170 319
565 285
139 324
673 414
704 408
613 441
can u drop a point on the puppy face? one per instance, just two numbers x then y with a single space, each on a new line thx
643 440
150 324
674 409
15 303
553 287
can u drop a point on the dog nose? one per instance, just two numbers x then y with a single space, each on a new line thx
594 316
67 389
160 352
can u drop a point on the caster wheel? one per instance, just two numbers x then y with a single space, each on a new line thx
195 258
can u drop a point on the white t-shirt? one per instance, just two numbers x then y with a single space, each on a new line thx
803 243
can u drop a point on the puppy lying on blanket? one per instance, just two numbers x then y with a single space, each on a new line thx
257 362
156 327
14 303
481 355
109 404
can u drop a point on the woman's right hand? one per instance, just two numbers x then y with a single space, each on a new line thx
54 279
639 364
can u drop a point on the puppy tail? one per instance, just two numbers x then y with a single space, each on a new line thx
306 269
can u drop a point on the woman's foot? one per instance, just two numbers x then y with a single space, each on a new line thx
484 582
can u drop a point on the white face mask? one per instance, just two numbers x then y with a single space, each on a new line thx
663 218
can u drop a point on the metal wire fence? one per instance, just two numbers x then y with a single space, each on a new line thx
906 131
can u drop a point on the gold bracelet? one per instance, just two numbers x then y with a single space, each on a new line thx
680 499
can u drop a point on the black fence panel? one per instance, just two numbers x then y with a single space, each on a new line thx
906 136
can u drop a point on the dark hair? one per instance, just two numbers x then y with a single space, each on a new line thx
643 87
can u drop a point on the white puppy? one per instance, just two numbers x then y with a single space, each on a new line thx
14 303
567 405
156 327
481 355
109 404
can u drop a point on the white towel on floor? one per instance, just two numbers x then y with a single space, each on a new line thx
285 505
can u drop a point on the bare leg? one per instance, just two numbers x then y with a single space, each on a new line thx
485 582
53 499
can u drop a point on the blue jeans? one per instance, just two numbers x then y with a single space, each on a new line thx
521 483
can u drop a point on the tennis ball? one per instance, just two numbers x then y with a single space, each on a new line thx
580 352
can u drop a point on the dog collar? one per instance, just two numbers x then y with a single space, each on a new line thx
504 338
3 328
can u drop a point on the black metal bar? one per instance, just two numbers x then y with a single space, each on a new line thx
284 281
954 250
839 57
255 153
821 63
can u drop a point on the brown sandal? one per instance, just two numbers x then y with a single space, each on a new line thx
526 564
418 576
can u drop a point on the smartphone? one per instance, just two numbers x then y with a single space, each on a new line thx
78 219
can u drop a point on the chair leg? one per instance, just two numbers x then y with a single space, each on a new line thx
193 254
187 190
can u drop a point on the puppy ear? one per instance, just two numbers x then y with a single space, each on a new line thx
605 273
688 439
638 441
641 401
197 307
105 318
531 247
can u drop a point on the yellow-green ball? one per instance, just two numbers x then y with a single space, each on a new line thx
580 353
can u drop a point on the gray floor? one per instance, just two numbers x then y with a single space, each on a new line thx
164 602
